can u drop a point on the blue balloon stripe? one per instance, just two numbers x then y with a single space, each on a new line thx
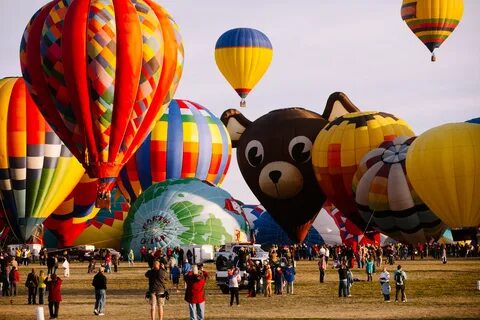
243 37
174 141
225 143
143 163
204 143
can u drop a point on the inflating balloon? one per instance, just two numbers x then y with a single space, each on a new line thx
67 222
179 212
102 73
385 198
188 141
432 21
243 55
443 165
267 232
274 156
339 148
37 171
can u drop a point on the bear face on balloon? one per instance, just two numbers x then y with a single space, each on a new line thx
274 157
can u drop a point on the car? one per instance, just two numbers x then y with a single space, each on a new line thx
99 254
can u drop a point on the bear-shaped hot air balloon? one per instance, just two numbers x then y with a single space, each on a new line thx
274 156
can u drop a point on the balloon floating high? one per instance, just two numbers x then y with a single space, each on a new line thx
102 73
243 55
432 21
187 142
37 171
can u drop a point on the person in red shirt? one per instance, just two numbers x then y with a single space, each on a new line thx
54 288
195 293
14 277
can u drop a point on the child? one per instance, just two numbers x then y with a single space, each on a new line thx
175 273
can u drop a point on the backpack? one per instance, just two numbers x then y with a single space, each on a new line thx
399 278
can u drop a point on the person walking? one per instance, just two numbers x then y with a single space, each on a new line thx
157 279
342 280
385 285
99 282
233 284
400 276
14 278
54 288
322 267
195 293
32 284
41 287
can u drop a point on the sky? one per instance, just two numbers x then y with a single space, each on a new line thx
362 48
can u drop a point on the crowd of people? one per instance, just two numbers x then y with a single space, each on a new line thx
275 275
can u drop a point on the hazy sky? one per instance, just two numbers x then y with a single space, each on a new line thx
362 48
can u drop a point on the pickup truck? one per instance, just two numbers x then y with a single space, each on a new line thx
229 255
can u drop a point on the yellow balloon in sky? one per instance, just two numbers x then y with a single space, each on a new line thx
443 165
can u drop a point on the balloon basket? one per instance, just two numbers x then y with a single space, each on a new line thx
103 202
243 103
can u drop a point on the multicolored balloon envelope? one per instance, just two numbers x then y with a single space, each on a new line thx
180 212
102 72
443 165
37 171
341 145
267 232
105 229
432 21
385 198
67 222
243 55
187 142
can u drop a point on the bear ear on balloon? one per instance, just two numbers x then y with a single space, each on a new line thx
274 157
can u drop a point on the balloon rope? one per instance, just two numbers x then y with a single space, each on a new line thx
8 220
369 220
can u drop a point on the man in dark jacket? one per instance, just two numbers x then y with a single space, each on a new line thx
100 284
157 279
32 284
342 280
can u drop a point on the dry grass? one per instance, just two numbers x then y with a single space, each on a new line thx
434 291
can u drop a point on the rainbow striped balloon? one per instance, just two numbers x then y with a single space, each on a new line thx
187 142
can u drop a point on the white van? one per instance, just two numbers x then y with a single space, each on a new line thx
201 253
34 249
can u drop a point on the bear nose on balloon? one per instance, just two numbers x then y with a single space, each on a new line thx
275 175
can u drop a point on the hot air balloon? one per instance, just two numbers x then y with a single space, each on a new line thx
37 171
180 212
432 21
67 222
475 120
188 141
339 148
243 55
267 232
443 166
274 157
385 198
102 73
105 229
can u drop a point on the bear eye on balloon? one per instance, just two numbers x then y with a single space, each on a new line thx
299 149
254 153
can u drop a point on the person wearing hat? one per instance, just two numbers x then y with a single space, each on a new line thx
54 288
100 284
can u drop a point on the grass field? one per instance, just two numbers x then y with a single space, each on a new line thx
434 291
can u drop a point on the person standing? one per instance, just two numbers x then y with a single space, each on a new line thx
290 278
268 280
50 264
195 293
444 254
322 267
400 276
41 287
99 282
157 279
175 273
66 268
131 257
32 284
385 285
54 288
233 284
342 280
369 265
14 278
